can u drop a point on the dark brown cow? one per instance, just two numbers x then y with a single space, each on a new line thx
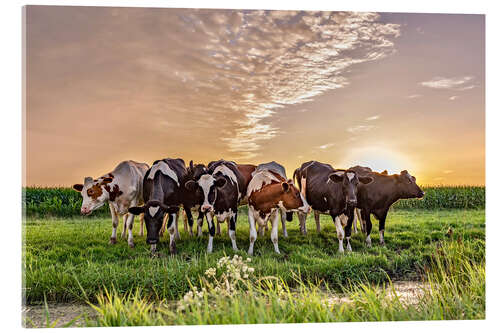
377 197
268 193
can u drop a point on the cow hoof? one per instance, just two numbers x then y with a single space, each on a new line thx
382 243
131 245
112 240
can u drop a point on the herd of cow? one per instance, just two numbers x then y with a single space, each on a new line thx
156 194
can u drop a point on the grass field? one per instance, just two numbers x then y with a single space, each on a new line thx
69 260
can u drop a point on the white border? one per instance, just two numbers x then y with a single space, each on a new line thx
11 148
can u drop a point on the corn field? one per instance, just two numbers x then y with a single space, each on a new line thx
65 202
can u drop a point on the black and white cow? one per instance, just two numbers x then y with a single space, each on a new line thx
377 197
285 215
162 195
194 199
222 189
329 191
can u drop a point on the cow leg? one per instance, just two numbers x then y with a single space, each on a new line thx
172 231
316 218
232 229
274 230
124 232
177 235
354 223
218 233
381 227
362 223
368 226
262 229
164 224
185 219
199 222
211 230
115 220
141 217
253 232
302 221
129 222
188 217
283 222
347 230
340 232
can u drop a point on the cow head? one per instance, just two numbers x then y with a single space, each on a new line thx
291 198
94 193
154 212
195 171
408 187
349 181
209 186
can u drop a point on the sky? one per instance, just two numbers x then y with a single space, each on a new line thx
390 91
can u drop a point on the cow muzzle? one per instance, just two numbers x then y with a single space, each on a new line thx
85 211
352 202
206 208
152 241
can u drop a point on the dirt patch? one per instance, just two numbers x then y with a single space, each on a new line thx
59 315
408 292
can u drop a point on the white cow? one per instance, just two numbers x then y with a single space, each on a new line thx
121 188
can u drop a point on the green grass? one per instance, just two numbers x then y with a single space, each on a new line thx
70 260
456 290
41 202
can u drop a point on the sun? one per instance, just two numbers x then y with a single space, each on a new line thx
379 159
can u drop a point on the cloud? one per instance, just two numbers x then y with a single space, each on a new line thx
373 118
448 171
449 83
360 128
326 146
413 96
224 72
452 98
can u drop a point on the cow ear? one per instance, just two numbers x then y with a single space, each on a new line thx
136 210
78 187
384 172
88 180
336 177
191 164
190 185
365 180
404 172
286 187
220 182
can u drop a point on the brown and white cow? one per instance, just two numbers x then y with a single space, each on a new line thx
121 188
285 216
268 193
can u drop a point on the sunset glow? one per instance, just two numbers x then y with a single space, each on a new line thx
390 91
